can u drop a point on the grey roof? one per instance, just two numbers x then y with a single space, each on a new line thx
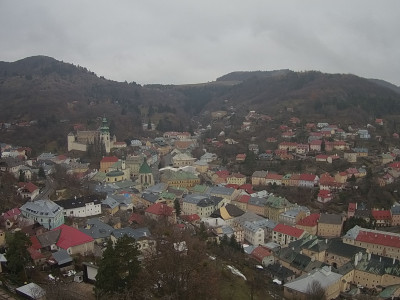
324 276
278 271
336 246
221 190
194 198
310 242
395 210
110 202
134 233
42 208
260 174
248 216
379 265
49 238
156 189
352 233
330 219
122 199
211 201
150 197
249 249
262 223
62 257
97 229
32 290
257 201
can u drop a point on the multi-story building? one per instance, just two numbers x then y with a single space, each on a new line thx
283 234
330 225
81 207
275 206
376 242
259 178
179 179
236 178
45 212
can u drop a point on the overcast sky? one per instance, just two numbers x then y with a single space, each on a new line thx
175 42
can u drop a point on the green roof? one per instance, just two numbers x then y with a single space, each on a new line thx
144 168
199 188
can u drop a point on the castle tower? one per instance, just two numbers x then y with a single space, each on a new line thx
146 177
105 135
70 140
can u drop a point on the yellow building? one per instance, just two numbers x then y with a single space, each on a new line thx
236 178
179 179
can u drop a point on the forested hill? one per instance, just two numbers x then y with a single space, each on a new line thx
55 95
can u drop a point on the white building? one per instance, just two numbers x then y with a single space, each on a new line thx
81 207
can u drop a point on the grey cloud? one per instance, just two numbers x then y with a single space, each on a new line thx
180 41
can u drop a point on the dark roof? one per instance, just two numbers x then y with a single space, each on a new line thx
49 238
336 246
78 202
278 271
330 219
150 197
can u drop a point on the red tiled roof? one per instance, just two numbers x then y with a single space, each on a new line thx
62 157
288 230
237 175
316 143
260 252
35 243
136 218
378 239
191 218
309 221
381 214
159 209
247 187
326 178
109 159
352 207
222 174
274 176
395 165
307 177
244 198
35 254
28 185
70 237
231 185
11 213
324 193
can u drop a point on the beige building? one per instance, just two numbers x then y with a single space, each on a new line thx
182 160
376 242
299 289
330 225
236 178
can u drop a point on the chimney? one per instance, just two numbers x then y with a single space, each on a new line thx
394 260
369 256
356 205
356 260
326 241
380 258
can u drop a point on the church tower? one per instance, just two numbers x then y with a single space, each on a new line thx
146 177
105 135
